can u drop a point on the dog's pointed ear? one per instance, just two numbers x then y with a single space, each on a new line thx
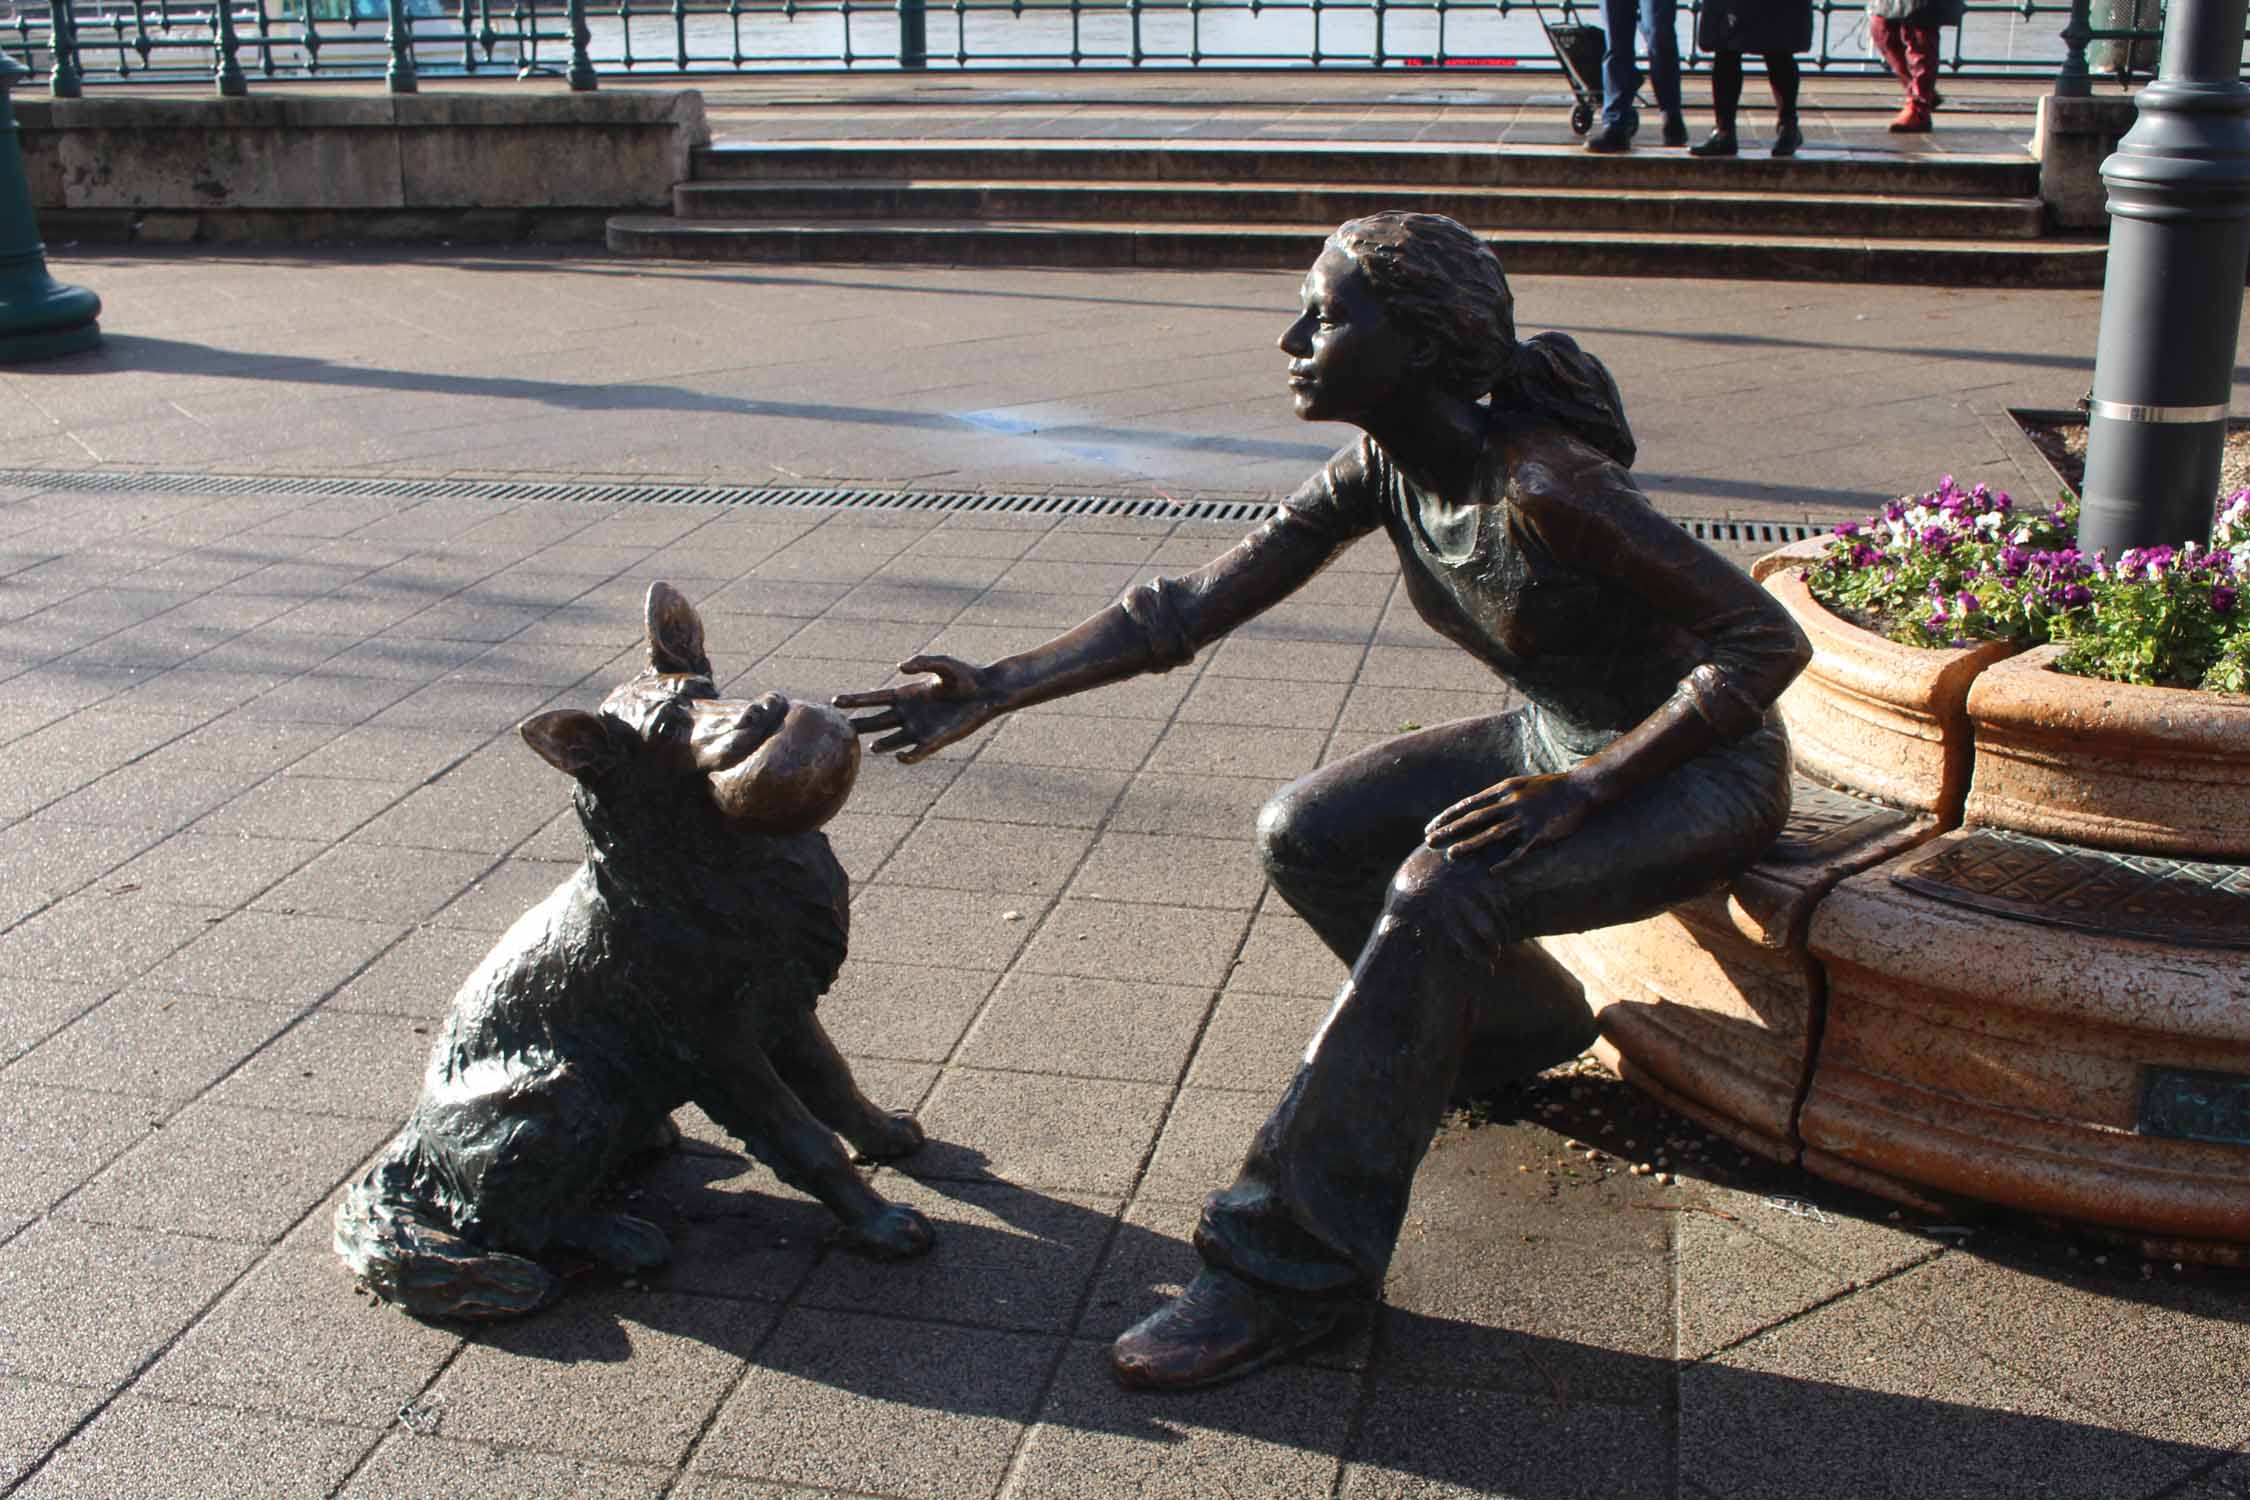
675 633
571 740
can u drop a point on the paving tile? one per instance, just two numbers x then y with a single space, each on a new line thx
1235 750
33 1418
274 958
32 1010
887 787
1282 956
418 978
87 1304
1867 1389
1280 1435
622 1375
376 883
736 1232
862 841
1006 858
410 1467
144 1447
148 795
58 1138
329 697
300 807
1418 1443
1298 664
491 706
1006 1257
1255 1042
879 1406
956 929
99 939
295 1336
1051 795
1170 869
2150 1357
211 869
1050 736
1222 807
902 1011
336 1063
1203 1145
396 757
464 816
1090 1028
1162 944
1264 702
1395 710
224 1173
1079 1135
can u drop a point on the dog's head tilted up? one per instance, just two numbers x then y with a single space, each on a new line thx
666 755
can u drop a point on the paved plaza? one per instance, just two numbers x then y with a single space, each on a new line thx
262 807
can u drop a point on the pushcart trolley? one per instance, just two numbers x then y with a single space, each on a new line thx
1579 49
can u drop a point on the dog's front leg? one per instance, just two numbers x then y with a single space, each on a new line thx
753 1104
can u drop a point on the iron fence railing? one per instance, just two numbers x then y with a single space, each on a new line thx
233 42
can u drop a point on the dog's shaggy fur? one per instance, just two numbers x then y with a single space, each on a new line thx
680 963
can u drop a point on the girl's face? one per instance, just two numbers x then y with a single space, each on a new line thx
1347 357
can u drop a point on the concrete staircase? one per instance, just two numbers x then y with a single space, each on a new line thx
1824 216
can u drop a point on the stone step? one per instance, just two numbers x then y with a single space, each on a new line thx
1822 170
1665 211
2055 262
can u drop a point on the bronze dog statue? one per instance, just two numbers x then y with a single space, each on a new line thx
681 963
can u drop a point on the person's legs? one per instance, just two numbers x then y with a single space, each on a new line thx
1620 78
1921 47
1726 100
1781 77
1313 1216
1659 24
1890 46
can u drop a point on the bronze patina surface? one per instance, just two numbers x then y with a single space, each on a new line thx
681 963
1647 765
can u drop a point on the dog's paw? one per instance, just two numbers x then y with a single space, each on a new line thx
889 1134
896 1233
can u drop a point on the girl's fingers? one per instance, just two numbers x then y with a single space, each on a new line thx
1485 839
880 698
890 742
887 719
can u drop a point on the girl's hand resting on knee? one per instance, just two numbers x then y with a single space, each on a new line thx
953 702
1515 817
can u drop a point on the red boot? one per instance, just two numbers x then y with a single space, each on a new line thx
1912 119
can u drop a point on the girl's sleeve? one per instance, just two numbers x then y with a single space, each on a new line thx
1327 513
1591 515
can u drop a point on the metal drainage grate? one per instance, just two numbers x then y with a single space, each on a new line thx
100 481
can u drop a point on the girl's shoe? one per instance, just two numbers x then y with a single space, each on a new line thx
1787 138
1717 143
1912 119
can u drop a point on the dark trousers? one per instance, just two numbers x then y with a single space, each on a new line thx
1656 21
1439 957
1726 86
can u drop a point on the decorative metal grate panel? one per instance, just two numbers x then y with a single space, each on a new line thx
344 487
2064 885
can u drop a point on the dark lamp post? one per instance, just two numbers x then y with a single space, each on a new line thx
2179 240
39 316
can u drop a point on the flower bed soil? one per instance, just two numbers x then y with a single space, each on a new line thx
2063 445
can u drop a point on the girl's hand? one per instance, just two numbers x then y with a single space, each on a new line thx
1518 815
924 717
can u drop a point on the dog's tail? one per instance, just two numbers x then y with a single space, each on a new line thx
407 1253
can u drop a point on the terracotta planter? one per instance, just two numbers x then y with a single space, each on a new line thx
1878 718
2142 769
2097 1073
1712 1007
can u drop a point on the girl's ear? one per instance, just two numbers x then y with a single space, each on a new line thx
571 740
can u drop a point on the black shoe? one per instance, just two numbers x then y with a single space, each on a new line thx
1219 1327
1675 128
1717 143
1612 137
1787 138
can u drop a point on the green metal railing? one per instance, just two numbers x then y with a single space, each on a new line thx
233 42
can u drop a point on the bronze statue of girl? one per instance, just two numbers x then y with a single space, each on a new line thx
1647 764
